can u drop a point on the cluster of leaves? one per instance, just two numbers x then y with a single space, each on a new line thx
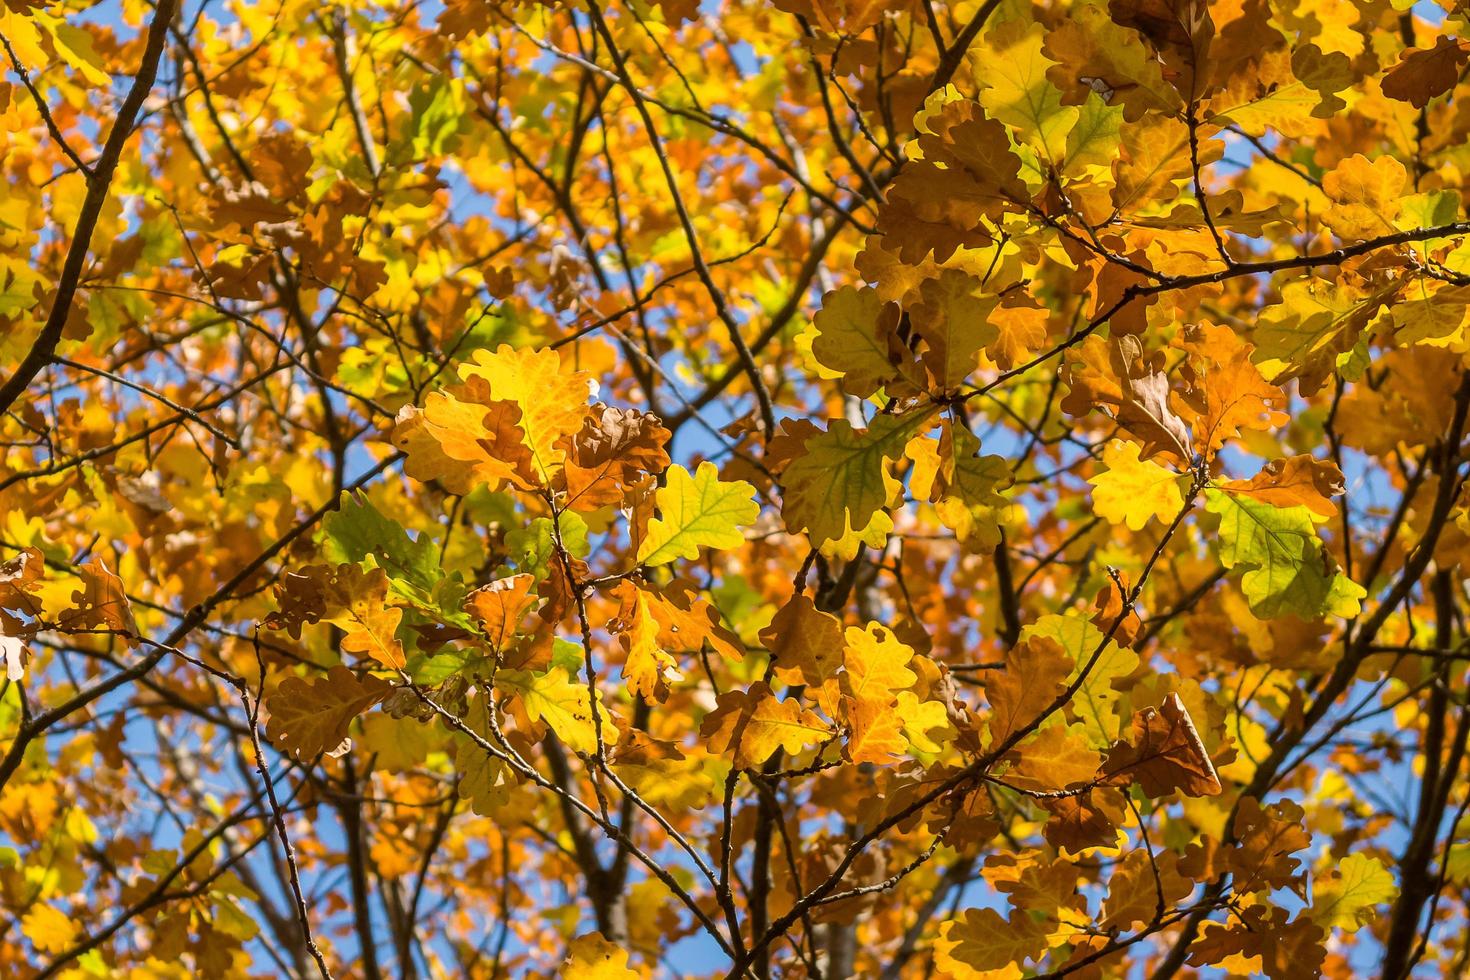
802 488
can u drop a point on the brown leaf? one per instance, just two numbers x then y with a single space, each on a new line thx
1182 30
1115 376
309 717
1086 820
1296 480
1109 609
101 603
1288 950
1266 838
1166 754
1034 674
1423 74
957 712
19 577
613 448
499 607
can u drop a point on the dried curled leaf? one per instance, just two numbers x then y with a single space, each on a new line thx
1164 755
1117 377
101 604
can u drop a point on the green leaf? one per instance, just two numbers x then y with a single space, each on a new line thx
1286 567
698 511
486 781
559 700
1096 701
1017 93
1346 897
437 118
429 669
841 480
358 529
853 337
530 548
1093 141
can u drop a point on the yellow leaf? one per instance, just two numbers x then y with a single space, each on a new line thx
1366 196
1346 896
922 721
980 939
954 320
370 628
559 701
876 669
1134 491
876 732
48 928
753 724
76 47
856 336
1017 93
553 402
591 957
485 779
805 643
1059 756
698 511
876 663
647 665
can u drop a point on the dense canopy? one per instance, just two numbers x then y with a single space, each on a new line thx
745 488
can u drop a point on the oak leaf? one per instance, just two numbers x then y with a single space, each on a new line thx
647 666
1423 74
1133 491
981 939
1034 675
592 957
1117 377
610 452
753 724
1297 480
101 604
805 643
499 607
842 480
1083 820
1348 895
559 701
1286 567
697 511
1165 754
309 717
857 335
1365 196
